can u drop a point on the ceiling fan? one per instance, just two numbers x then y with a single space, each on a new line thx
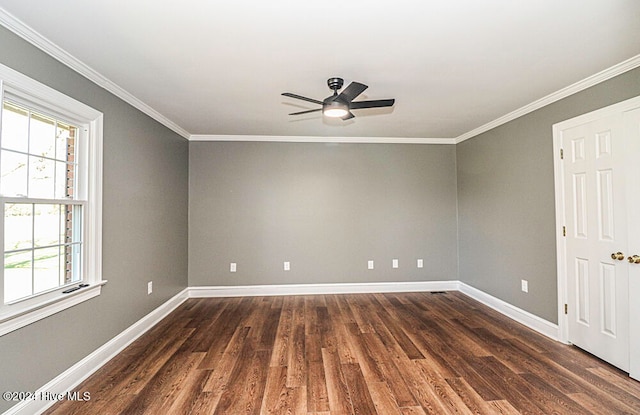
340 105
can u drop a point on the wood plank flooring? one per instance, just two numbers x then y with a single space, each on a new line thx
365 354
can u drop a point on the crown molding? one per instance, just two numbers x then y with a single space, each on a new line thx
321 139
27 33
592 80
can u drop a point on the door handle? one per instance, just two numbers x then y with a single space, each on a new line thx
634 259
617 255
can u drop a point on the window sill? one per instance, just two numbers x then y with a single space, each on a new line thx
13 321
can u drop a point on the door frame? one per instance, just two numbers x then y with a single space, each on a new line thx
558 171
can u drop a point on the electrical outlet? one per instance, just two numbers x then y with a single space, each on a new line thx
420 263
370 264
149 287
525 286
287 265
232 267
394 263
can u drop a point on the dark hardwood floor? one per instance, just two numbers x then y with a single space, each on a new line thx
402 354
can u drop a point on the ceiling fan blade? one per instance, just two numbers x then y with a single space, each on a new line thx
305 112
352 91
372 104
290 95
348 116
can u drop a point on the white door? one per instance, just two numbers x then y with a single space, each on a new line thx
596 230
598 207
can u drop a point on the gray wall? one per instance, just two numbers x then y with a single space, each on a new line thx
506 200
144 229
326 208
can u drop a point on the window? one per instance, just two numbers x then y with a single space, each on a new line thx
50 196
42 210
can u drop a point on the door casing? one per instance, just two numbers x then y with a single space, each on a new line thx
561 254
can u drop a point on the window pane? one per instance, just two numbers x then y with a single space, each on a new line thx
56 257
62 135
62 224
42 135
13 179
17 275
46 269
64 180
15 128
73 224
70 180
46 220
72 263
41 177
18 223
65 142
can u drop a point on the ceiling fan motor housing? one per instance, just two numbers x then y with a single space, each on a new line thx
335 83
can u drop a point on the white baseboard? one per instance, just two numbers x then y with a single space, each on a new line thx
532 321
68 380
311 289
72 377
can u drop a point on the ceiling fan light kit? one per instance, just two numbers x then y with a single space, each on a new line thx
334 109
340 105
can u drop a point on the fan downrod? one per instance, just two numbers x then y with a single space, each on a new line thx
335 83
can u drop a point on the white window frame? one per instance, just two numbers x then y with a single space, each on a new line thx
18 314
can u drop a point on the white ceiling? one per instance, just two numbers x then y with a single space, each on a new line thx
218 68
